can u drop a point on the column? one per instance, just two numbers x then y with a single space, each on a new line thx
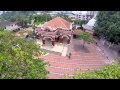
43 41
37 35
56 39
68 41
53 43
61 40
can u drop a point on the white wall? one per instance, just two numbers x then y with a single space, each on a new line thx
12 27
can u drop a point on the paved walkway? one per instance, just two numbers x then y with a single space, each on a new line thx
88 58
110 53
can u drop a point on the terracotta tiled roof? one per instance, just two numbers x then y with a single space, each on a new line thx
5 23
57 23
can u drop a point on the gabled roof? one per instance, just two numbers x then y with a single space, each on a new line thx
90 24
58 22
5 23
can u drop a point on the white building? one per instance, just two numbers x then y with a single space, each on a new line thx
90 24
91 14
80 15
9 25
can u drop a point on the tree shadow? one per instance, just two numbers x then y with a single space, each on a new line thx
79 48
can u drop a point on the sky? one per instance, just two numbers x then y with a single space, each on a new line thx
83 12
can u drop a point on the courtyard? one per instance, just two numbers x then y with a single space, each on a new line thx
61 48
86 58
91 57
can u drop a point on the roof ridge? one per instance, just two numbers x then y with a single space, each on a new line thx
65 21
62 22
57 22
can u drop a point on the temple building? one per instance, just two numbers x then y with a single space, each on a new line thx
55 29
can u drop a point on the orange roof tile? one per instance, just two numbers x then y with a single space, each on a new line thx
57 23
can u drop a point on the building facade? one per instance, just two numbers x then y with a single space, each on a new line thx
9 25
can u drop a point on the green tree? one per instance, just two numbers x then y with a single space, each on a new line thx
83 22
80 22
118 59
107 72
85 37
33 27
23 17
42 18
76 22
17 58
63 16
107 26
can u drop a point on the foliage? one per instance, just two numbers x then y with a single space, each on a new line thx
85 36
24 23
17 58
76 22
37 23
30 32
83 22
23 17
63 16
118 59
107 72
42 18
80 22
108 26
1 29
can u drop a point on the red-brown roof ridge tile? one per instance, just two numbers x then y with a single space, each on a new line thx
58 22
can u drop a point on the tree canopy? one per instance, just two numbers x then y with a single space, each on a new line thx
63 16
42 18
23 17
17 58
85 37
80 22
107 26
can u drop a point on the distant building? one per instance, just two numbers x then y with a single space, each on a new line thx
91 14
80 16
90 24
52 13
9 25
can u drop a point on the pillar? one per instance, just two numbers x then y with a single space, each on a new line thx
61 40
53 43
38 36
43 41
68 41
57 39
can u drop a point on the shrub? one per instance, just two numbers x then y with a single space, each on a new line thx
17 58
107 72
